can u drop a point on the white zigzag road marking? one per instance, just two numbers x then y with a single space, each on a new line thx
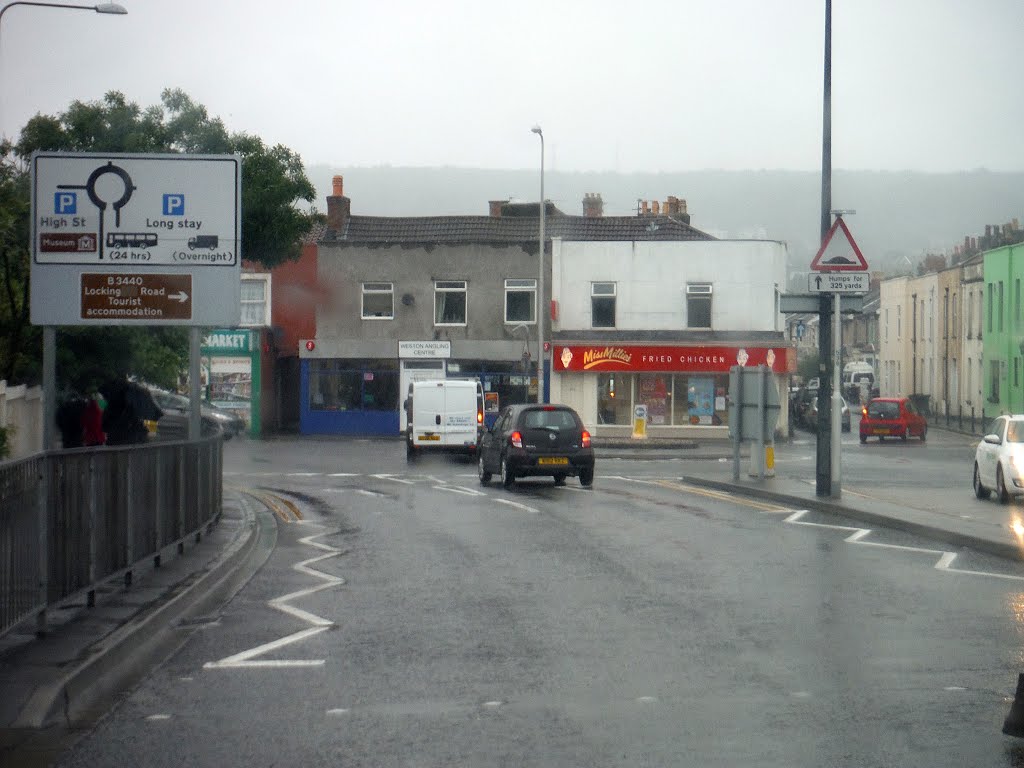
249 658
857 536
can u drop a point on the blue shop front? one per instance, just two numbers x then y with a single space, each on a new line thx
364 395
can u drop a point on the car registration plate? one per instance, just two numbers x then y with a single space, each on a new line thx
430 437
557 460
880 432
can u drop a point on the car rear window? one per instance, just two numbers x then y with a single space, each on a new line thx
549 419
883 410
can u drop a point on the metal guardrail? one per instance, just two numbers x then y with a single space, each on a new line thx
70 520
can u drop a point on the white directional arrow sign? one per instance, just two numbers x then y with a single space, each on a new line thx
838 282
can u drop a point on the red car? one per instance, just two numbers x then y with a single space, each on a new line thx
886 417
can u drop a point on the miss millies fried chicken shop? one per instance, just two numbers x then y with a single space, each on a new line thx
685 388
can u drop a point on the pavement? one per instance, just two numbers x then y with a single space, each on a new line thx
88 654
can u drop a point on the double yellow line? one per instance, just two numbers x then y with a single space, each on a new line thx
285 509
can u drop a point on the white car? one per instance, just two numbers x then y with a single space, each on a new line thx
999 459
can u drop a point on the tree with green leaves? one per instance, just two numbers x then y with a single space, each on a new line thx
274 184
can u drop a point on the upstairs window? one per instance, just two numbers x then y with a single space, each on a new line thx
602 305
450 302
378 301
698 305
520 301
255 300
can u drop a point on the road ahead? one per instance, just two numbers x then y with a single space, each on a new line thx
410 617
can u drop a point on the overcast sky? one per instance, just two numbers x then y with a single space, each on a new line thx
676 85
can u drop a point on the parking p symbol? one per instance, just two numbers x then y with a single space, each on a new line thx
65 202
174 205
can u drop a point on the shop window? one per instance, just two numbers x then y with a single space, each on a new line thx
520 301
698 305
655 391
353 385
602 305
378 301
450 302
613 399
993 396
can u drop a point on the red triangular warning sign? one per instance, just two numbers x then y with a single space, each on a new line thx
839 254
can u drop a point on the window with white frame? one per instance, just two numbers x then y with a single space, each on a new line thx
698 305
602 305
378 301
255 300
449 302
520 301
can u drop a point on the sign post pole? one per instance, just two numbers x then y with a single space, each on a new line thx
837 401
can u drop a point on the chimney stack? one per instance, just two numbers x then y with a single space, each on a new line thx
339 208
593 205
495 206
656 207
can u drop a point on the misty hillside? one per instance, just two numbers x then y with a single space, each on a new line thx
898 213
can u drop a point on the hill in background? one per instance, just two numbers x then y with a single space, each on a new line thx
901 216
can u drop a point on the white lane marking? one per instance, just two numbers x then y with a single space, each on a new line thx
249 658
646 700
304 474
368 493
492 704
394 479
517 505
459 489
337 711
343 474
858 535
158 718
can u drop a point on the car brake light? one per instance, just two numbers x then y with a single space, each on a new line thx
586 439
864 412
516 439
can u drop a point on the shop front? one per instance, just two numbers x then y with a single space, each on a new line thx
684 388
364 396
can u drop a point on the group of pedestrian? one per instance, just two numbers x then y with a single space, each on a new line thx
112 414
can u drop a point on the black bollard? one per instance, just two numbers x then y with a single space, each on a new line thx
1014 723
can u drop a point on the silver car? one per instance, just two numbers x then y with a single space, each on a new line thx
999 459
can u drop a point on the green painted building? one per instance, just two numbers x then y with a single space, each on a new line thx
1003 328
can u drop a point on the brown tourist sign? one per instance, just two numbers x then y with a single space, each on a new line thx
136 296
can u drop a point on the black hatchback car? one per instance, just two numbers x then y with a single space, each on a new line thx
536 440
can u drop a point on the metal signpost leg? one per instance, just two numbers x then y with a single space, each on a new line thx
837 400
761 412
736 388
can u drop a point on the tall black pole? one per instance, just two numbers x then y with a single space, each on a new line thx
823 465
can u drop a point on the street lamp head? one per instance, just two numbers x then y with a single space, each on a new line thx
536 129
114 8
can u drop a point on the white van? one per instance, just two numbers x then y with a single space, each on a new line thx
443 415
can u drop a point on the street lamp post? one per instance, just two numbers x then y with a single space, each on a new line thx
49 331
113 8
540 276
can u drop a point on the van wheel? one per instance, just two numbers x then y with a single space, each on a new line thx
410 452
507 478
483 474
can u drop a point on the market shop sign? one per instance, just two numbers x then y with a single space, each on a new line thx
635 358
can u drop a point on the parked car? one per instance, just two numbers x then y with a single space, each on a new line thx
536 440
811 416
886 417
174 423
999 459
